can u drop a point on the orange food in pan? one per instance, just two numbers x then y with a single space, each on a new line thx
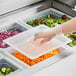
31 62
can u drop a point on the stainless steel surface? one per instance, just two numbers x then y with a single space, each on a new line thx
10 5
59 6
71 3
37 7
64 8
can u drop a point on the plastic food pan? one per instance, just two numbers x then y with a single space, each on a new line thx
12 26
43 14
4 62
65 51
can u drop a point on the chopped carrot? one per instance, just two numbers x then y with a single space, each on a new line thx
31 62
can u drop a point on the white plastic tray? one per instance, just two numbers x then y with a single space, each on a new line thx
22 42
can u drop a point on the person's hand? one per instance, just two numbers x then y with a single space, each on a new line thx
46 35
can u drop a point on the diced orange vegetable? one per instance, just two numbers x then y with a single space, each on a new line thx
31 62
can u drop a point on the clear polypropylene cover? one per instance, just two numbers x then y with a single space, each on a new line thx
25 43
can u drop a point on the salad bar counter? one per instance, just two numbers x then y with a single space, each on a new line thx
15 57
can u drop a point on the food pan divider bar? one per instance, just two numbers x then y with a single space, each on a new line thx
26 25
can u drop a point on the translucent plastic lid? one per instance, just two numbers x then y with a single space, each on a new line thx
25 43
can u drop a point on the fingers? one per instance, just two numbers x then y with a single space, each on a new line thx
37 36
42 34
44 40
